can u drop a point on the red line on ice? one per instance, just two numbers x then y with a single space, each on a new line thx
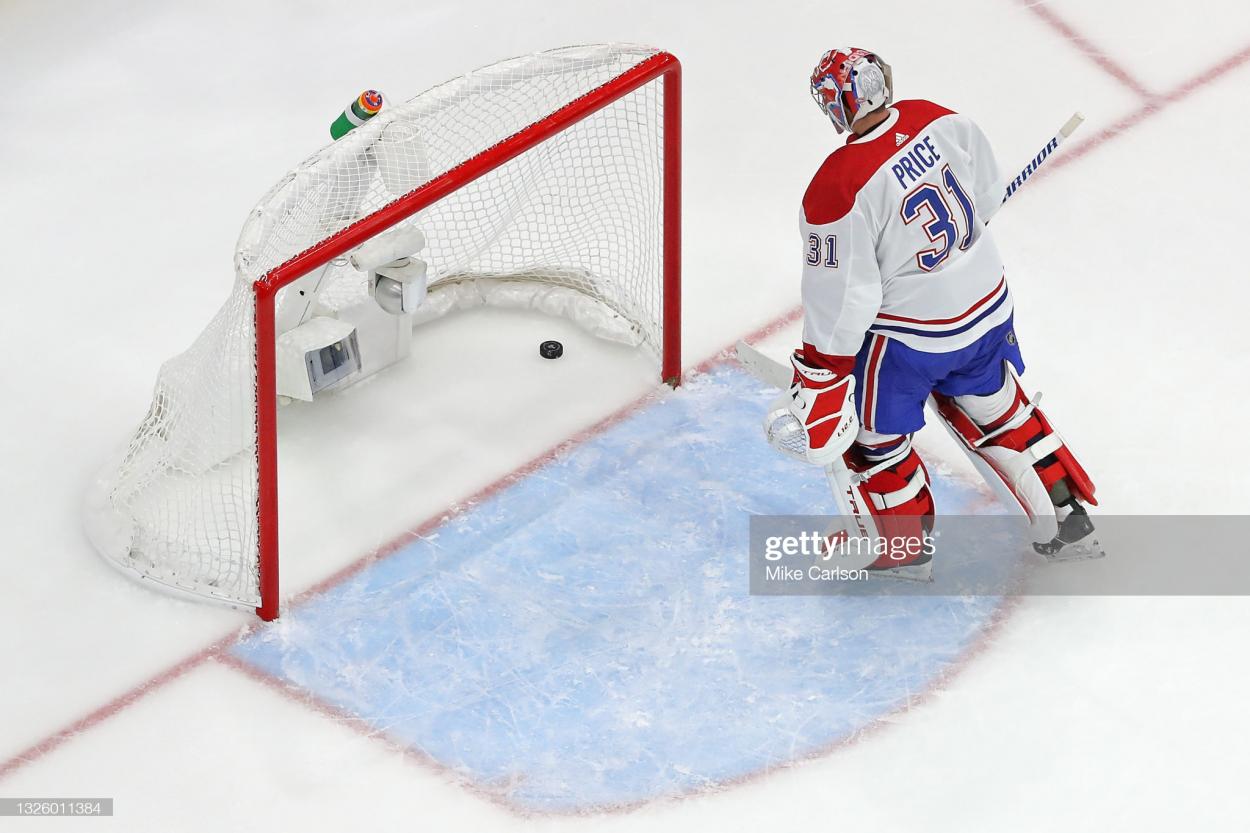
111 708
360 726
1087 47
1150 108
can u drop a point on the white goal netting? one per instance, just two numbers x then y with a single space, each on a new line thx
579 213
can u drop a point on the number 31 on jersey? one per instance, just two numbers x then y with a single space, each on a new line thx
941 225
932 205
822 250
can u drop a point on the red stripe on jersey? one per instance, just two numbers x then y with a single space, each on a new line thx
870 380
833 189
966 313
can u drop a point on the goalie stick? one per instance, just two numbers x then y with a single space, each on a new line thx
843 483
1069 127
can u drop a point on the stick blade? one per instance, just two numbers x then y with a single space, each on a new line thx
767 370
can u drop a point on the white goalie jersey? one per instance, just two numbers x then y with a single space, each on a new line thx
895 240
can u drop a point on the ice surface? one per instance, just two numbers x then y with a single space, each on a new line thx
585 638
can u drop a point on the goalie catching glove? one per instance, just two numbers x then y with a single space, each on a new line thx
815 421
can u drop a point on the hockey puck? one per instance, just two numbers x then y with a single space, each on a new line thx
551 349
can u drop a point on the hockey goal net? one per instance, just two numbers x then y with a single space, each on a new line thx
558 171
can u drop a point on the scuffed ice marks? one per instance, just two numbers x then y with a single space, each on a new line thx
585 637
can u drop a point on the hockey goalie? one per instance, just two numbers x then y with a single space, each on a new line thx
905 299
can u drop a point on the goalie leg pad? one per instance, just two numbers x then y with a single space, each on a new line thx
895 484
1009 432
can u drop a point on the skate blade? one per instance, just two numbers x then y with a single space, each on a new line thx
922 573
1079 551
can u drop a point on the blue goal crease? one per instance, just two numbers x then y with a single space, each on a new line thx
585 638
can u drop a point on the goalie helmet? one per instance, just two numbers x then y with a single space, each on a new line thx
850 83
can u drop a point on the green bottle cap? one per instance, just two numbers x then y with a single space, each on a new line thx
365 107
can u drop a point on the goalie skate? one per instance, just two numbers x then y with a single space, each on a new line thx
1075 540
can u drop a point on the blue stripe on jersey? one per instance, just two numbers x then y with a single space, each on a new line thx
945 333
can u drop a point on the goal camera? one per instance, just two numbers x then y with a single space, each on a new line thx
333 363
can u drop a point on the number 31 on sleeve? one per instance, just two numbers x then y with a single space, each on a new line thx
826 247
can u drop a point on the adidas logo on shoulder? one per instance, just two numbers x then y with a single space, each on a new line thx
899 138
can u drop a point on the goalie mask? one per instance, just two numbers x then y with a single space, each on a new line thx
850 83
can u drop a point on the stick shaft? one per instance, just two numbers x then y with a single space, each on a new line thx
1067 130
